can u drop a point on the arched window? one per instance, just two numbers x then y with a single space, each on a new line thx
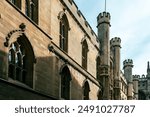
16 3
31 9
64 28
98 62
21 59
86 90
65 83
84 54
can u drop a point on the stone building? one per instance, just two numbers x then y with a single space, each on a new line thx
48 50
144 85
123 86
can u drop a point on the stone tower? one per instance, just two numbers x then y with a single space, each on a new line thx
115 47
135 85
103 26
128 65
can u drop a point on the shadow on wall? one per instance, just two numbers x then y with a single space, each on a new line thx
141 95
52 75
2 61
46 82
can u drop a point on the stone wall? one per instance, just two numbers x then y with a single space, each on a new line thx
46 74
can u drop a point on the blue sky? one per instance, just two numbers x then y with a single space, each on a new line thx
130 20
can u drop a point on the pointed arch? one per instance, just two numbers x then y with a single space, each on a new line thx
65 82
64 29
84 54
21 59
27 7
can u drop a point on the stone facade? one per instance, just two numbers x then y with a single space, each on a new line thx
144 85
49 51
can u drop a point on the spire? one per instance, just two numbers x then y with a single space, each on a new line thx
148 65
148 68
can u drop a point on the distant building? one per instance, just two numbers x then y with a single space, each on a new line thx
144 85
48 50
123 86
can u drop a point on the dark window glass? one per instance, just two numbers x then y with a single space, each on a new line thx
31 10
65 83
64 27
84 54
21 59
17 3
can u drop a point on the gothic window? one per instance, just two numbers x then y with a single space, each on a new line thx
65 83
86 90
16 3
64 28
98 62
21 60
27 7
31 9
84 54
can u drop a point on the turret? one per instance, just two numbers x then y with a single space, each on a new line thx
128 65
115 44
103 24
103 21
135 85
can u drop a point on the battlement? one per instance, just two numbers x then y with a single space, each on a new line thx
128 62
136 77
71 7
115 42
103 18
104 15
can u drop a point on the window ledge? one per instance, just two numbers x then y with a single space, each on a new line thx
18 83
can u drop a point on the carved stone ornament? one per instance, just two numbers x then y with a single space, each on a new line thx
22 27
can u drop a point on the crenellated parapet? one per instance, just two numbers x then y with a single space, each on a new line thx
136 77
71 7
103 18
143 76
128 63
115 42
